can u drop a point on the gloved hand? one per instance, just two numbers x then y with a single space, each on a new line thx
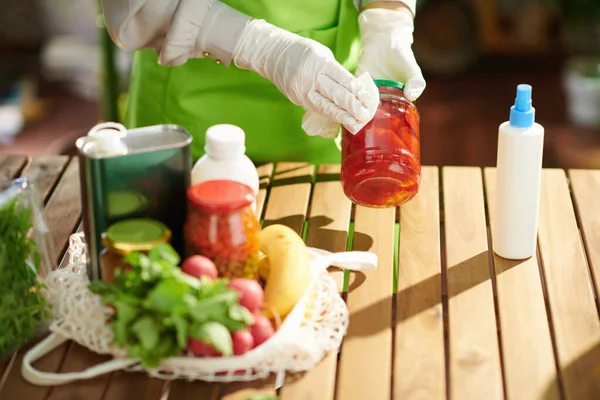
316 124
387 36
305 71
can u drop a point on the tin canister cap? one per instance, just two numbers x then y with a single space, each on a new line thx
225 140
136 234
108 138
110 142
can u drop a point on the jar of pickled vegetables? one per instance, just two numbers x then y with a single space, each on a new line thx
381 164
222 226
128 236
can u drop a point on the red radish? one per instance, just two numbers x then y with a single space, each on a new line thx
252 293
201 349
198 266
243 342
262 329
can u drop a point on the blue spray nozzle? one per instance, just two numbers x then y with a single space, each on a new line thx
523 100
522 113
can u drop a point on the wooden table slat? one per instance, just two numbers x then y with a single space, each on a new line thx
570 293
586 193
45 172
63 210
475 368
247 390
419 366
124 385
11 166
79 358
328 226
365 366
288 205
329 217
5 365
264 173
289 195
15 387
529 366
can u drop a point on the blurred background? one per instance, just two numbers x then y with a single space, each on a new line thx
60 74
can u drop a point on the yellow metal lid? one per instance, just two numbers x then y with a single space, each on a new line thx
136 234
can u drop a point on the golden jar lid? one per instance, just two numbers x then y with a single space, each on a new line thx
136 234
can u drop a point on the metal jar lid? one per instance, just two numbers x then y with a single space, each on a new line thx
136 234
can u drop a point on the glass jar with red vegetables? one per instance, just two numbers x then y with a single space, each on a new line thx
381 164
221 226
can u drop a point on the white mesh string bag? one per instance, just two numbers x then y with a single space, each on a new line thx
315 327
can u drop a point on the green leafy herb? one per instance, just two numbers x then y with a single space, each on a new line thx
215 334
22 306
241 314
158 308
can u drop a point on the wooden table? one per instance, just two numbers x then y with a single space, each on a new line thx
441 317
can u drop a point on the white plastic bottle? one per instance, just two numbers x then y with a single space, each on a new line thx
519 170
225 158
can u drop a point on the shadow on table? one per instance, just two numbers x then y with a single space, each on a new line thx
318 235
295 222
585 369
425 294
336 240
294 174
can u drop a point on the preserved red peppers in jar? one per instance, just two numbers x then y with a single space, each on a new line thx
381 164
222 226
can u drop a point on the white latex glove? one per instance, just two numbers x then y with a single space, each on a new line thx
315 124
305 71
387 36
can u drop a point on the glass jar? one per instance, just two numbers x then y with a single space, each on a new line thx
128 236
222 226
26 257
381 164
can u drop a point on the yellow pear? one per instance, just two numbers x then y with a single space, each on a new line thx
289 271
263 267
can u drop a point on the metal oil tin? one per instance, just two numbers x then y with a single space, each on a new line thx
149 181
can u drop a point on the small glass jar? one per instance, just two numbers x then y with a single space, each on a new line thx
381 164
222 226
128 236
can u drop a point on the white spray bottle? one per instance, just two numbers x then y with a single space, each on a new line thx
519 172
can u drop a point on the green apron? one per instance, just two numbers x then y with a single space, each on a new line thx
202 93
